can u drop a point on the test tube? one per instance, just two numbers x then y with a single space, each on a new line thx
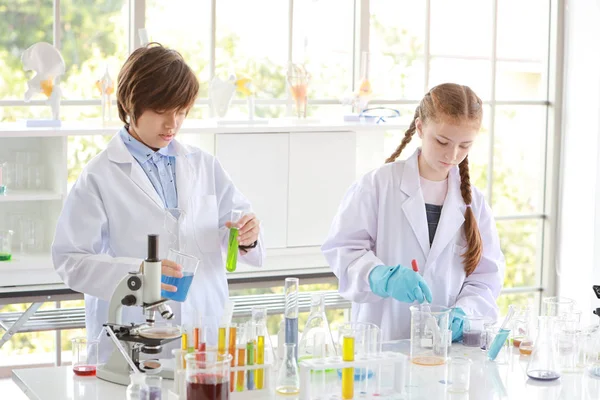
291 313
348 373
222 340
179 373
232 345
250 354
233 246
241 358
260 359
184 342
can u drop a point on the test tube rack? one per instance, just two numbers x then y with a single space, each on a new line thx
391 364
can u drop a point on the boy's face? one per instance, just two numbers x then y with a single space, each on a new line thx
156 130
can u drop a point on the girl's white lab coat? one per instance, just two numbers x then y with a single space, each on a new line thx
382 221
102 231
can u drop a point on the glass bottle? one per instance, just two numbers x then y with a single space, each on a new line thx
543 363
316 340
288 379
137 389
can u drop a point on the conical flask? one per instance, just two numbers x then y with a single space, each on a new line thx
316 340
288 379
543 364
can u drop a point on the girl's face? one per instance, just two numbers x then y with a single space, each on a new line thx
444 146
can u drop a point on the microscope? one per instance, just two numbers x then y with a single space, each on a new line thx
141 288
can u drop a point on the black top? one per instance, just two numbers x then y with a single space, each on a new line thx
433 217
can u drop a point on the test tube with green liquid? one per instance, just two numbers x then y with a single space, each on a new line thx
233 246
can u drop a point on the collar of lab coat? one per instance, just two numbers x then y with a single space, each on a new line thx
453 208
118 153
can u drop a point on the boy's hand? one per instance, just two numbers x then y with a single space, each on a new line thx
249 228
170 268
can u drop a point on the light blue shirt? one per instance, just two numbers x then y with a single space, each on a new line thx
159 166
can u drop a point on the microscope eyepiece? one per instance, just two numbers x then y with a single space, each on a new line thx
152 248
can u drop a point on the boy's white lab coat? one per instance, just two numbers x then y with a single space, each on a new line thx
382 221
102 232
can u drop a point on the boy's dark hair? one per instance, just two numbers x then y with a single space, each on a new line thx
154 78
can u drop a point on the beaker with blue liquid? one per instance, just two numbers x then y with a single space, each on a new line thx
189 265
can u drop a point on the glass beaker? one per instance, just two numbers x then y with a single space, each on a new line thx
298 78
288 379
460 374
6 245
207 375
189 265
473 330
233 244
556 306
521 325
84 356
316 340
543 363
154 387
428 331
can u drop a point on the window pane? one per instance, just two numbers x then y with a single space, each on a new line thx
323 39
523 30
521 80
520 241
479 155
461 27
22 24
253 45
519 155
519 299
475 74
80 150
190 35
93 38
397 48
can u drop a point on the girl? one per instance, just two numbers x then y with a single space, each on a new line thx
423 208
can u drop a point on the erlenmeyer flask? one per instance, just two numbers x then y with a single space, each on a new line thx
316 340
288 379
543 363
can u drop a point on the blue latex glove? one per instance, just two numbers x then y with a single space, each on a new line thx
456 323
402 283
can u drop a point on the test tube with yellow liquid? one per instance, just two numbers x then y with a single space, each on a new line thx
241 358
232 348
348 373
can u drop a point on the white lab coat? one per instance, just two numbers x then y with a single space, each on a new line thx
102 231
382 221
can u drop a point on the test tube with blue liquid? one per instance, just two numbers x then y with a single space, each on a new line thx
233 244
501 336
291 313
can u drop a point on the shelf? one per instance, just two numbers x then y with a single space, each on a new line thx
279 125
30 195
27 270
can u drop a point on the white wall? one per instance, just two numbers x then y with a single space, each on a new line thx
579 235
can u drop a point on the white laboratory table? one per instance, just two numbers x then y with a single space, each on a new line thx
489 380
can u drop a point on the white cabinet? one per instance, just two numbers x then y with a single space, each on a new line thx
35 174
258 166
322 168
